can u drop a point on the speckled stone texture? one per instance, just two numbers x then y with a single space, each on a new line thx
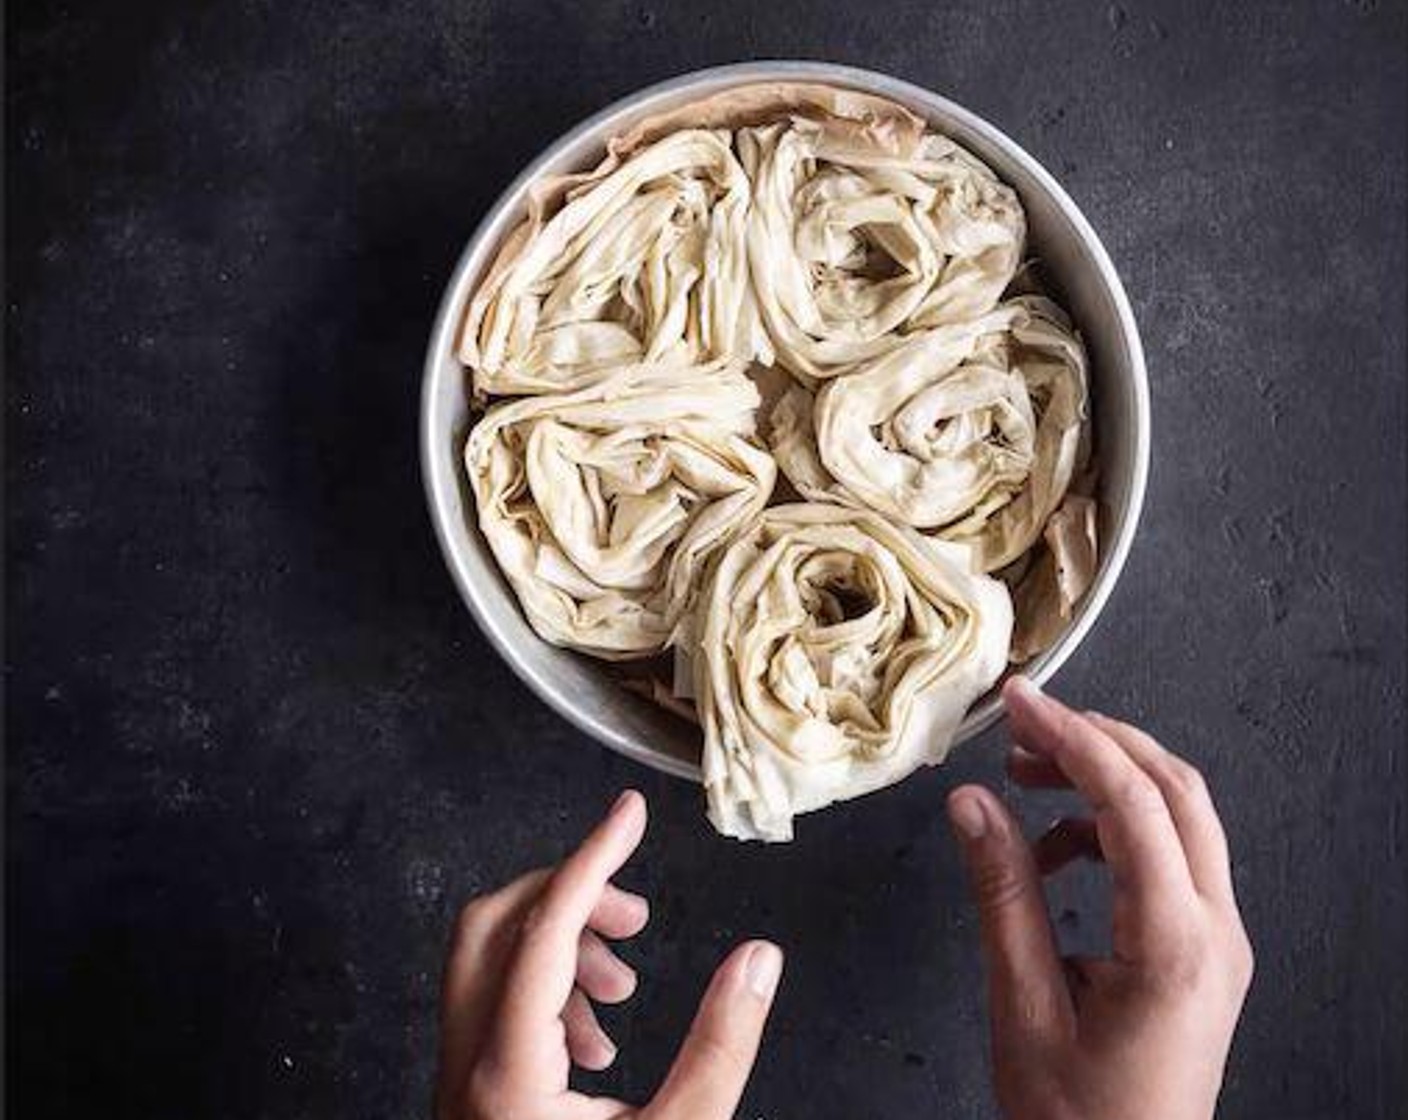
258 753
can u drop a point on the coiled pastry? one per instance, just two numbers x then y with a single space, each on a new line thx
836 652
862 234
972 431
645 262
602 506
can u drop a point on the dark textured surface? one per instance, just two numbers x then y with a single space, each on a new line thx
257 751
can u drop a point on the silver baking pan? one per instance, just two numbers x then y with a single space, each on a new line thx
1072 260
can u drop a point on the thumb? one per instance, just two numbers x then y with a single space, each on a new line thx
707 1079
1027 993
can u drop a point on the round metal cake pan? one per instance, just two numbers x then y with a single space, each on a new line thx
1073 261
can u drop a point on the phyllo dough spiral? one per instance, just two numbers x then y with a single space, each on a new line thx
836 652
642 262
972 431
601 506
865 231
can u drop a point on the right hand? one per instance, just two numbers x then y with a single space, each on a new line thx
1144 1034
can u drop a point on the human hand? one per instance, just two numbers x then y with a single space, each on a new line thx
1144 1034
526 962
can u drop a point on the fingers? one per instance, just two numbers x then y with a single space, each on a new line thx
1027 992
619 914
708 1077
1069 839
1189 803
486 925
601 974
1185 793
541 973
1032 771
588 1045
1137 833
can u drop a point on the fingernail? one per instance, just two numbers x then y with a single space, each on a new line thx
621 802
764 969
1026 688
968 816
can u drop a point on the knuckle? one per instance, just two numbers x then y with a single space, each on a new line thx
543 923
717 1051
472 922
1184 972
1150 740
1071 729
999 885
1033 1015
1136 794
1180 962
1185 779
1243 960
536 921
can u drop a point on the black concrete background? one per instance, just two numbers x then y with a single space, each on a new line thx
258 753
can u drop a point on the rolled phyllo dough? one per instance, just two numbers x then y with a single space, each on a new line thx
836 652
643 263
602 506
970 431
865 231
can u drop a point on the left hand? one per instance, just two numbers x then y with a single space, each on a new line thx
525 964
